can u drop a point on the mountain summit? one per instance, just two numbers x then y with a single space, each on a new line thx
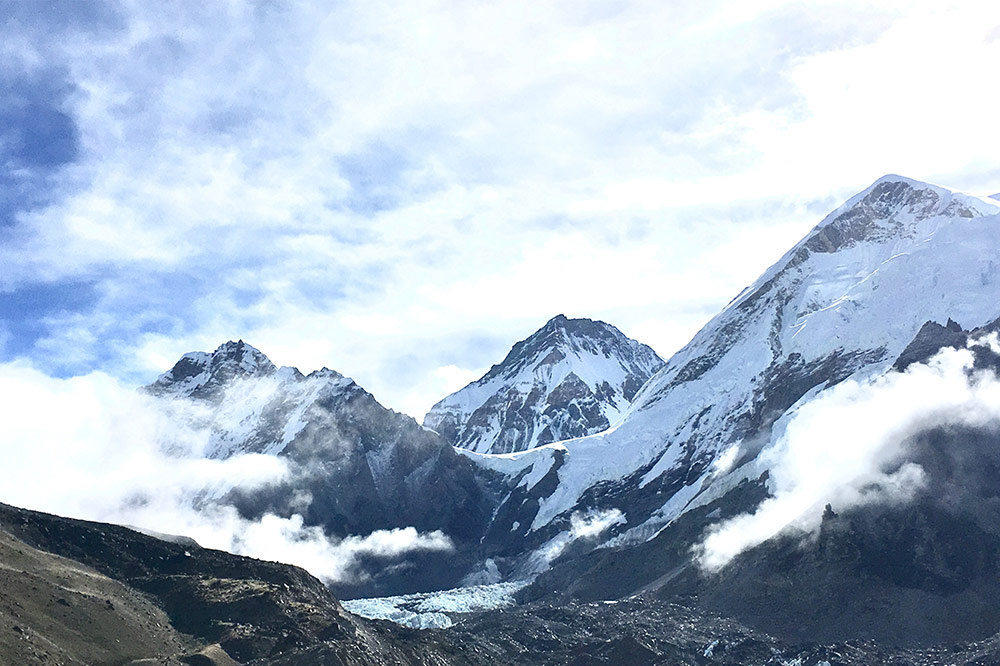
354 466
572 377
844 302
204 375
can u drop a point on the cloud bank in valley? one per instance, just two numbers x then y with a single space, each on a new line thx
848 447
89 447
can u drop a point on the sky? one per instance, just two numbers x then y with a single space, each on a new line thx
401 191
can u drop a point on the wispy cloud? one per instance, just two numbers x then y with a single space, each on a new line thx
376 187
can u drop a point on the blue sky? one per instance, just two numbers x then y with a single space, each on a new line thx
400 191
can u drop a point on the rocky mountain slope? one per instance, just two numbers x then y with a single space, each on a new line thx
55 610
916 572
843 303
356 467
572 377
114 596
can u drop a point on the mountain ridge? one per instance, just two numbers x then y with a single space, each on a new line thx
570 378
813 319
848 301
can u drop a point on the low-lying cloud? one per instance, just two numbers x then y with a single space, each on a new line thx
581 526
90 447
848 447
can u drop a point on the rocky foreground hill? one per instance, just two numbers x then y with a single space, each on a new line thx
81 593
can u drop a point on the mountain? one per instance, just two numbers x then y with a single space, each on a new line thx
914 572
845 302
206 376
572 377
604 530
876 287
355 466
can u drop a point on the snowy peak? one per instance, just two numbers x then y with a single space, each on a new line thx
572 377
255 406
889 210
204 375
842 303
858 284
562 337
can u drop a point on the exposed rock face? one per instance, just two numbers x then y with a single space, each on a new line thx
253 609
206 376
356 467
934 337
55 610
573 377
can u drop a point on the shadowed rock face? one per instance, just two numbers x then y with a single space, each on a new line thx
571 378
920 573
933 337
355 466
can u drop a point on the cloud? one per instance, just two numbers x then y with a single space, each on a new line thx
582 526
362 186
89 447
848 447
288 540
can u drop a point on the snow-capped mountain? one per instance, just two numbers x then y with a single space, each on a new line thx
207 375
844 302
255 406
572 377
354 465
613 508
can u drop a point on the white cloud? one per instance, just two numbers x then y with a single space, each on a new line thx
376 186
582 526
330 559
848 447
89 447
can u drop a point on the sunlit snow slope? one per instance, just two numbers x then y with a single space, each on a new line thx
572 377
845 301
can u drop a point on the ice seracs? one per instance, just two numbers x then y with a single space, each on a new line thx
572 377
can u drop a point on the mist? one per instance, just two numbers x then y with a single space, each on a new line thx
581 526
849 447
90 447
